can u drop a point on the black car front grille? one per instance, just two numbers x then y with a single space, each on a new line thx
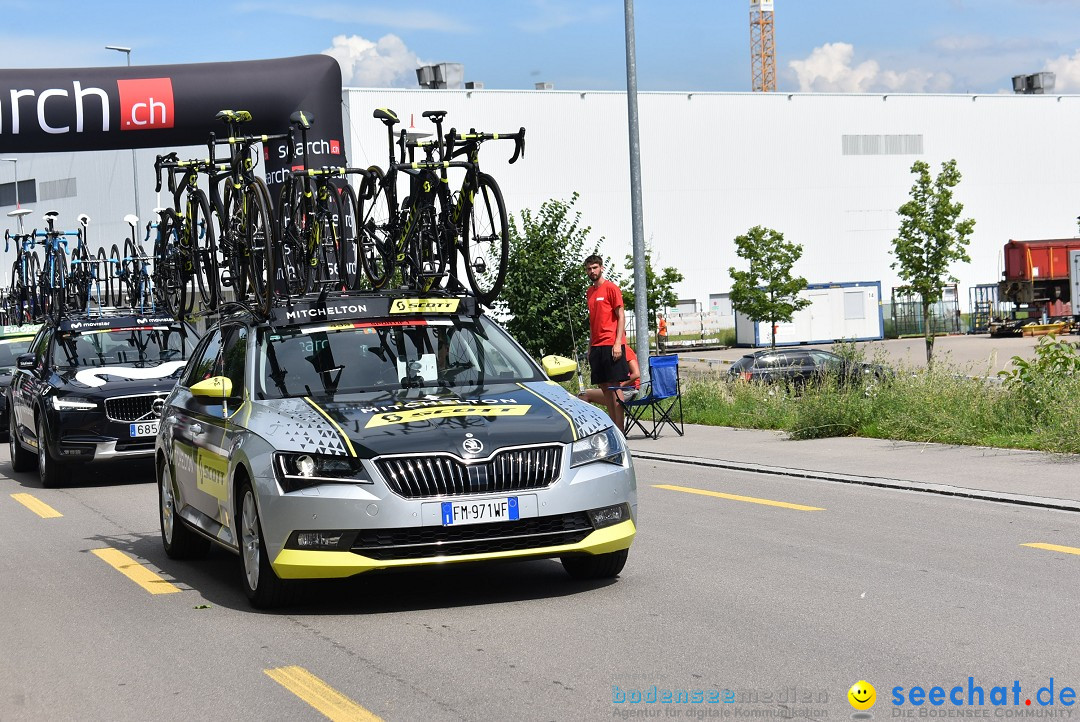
132 408
448 541
418 477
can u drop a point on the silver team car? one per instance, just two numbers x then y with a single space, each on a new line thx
361 432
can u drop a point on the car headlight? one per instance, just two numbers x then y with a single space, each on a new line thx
73 403
297 471
605 446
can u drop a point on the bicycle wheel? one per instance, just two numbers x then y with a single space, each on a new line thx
328 215
33 283
200 239
294 271
261 240
77 285
101 277
169 265
127 275
347 254
426 247
114 277
486 241
376 227
18 294
56 292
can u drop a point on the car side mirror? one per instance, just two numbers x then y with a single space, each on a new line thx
559 368
215 387
25 361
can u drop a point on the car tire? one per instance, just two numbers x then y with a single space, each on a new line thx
596 566
180 542
21 459
264 588
51 472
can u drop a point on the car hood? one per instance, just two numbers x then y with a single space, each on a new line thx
112 379
440 421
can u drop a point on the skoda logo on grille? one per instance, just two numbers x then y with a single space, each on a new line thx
157 407
472 446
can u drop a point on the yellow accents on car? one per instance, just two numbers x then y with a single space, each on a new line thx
443 412
341 432
301 564
215 386
559 368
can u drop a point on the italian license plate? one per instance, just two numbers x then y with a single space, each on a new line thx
479 512
144 428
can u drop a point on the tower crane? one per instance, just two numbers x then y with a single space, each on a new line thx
762 46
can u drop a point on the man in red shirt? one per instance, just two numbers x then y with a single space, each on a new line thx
607 336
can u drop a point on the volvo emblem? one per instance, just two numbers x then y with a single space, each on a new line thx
157 407
472 446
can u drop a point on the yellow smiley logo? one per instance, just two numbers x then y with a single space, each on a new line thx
862 695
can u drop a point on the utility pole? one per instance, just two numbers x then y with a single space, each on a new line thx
641 291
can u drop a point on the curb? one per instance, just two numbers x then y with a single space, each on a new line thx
881 482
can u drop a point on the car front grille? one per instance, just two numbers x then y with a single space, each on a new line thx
439 541
132 408
418 477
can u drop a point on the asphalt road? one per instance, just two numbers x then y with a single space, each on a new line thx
720 593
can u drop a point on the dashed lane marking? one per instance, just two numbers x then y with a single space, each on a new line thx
135 571
736 497
320 695
37 506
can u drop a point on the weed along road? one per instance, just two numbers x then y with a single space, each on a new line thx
745 595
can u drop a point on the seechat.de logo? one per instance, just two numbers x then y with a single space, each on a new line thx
146 103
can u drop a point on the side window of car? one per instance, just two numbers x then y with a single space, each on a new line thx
234 357
41 345
203 360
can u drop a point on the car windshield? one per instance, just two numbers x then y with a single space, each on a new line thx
112 347
12 348
372 356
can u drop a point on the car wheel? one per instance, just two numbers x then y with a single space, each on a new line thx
596 566
179 541
263 587
21 459
51 472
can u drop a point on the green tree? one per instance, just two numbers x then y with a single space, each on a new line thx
767 291
544 294
661 292
930 239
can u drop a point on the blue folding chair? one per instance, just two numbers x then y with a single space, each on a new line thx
661 399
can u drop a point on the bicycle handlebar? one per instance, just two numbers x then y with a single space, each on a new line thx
452 139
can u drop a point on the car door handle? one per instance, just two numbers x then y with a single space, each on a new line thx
196 429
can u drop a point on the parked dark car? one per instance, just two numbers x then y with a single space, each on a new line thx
798 366
14 341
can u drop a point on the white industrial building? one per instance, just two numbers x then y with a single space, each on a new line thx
828 171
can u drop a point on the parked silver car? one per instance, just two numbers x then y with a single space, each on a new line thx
367 432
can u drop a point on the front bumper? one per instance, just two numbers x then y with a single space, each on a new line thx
86 436
303 564
382 530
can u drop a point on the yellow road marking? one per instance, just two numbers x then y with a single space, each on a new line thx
134 571
320 695
37 506
1053 548
736 497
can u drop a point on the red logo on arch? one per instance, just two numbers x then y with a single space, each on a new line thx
146 103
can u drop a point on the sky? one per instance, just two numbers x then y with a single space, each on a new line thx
951 46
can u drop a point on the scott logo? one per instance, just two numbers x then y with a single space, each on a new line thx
146 103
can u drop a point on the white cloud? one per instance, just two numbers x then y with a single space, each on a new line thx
386 63
1066 68
829 69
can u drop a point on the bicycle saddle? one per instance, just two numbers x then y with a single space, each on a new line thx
302 119
51 214
435 115
387 116
131 218
84 219
234 116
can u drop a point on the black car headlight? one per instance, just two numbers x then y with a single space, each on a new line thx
73 403
606 446
300 470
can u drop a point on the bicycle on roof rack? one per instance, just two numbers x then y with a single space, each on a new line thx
88 280
134 275
316 217
247 233
23 297
52 280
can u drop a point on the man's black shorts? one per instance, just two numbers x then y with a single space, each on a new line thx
606 370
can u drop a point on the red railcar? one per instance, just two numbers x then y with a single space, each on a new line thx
1037 273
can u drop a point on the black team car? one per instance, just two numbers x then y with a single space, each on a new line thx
91 390
14 341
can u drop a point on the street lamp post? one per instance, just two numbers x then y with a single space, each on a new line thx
18 206
134 165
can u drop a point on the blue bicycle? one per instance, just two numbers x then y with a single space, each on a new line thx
52 281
